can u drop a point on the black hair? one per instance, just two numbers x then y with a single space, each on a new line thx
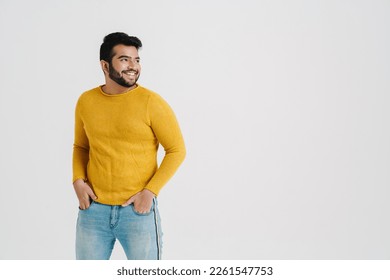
117 38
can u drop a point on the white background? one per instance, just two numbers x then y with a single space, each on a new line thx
284 106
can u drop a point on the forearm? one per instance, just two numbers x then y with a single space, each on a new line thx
169 165
80 162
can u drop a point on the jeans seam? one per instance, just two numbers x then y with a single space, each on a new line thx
157 230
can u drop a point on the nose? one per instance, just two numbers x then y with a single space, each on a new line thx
132 63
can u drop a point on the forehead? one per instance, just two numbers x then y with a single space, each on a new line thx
120 50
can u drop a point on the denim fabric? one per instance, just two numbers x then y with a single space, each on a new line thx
99 226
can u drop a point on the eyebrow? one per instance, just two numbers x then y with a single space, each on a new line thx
126 56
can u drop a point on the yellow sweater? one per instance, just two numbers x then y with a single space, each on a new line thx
116 142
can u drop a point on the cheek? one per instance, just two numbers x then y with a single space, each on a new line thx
118 67
121 67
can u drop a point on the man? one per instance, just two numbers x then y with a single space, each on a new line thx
118 128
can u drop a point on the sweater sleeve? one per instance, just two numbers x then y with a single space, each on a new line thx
80 148
166 128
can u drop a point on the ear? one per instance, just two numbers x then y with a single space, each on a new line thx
105 66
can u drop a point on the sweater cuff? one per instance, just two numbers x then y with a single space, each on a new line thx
156 192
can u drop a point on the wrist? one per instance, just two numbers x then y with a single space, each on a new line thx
79 182
149 193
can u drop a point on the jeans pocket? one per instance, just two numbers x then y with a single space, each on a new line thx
90 204
142 214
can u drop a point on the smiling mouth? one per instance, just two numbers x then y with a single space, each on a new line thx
130 73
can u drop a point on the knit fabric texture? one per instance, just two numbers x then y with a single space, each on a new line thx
116 142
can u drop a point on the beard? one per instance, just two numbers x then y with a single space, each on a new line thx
118 77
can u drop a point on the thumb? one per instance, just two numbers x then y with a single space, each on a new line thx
130 201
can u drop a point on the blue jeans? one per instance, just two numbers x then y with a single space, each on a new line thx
99 226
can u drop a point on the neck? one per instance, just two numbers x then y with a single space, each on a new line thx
112 87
